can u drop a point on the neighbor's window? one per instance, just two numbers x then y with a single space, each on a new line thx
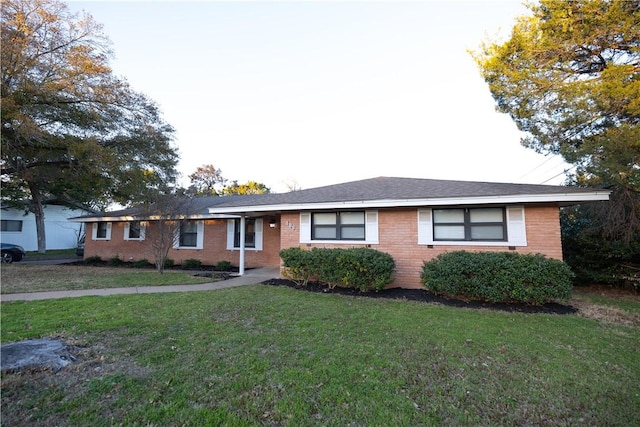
338 226
472 224
189 234
249 233
102 230
11 225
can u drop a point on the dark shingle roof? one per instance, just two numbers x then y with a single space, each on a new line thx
195 205
371 190
388 188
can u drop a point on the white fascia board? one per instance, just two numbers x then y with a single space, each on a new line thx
449 201
233 212
104 219
125 218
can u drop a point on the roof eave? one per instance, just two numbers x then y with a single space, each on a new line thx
561 199
125 218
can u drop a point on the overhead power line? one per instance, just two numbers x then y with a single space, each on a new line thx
537 167
561 173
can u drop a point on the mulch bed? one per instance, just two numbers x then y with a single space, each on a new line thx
423 295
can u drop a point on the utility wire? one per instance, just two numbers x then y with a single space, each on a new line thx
541 164
554 168
555 176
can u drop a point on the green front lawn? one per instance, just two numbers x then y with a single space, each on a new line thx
53 254
262 355
17 278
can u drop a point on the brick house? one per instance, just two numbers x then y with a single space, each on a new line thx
414 220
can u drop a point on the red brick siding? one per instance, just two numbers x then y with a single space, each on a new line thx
543 231
397 230
289 230
213 251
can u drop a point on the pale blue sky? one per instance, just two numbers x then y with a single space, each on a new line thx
322 92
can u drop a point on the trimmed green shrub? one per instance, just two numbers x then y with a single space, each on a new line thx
498 277
191 263
93 260
115 261
299 265
141 263
169 263
224 266
364 269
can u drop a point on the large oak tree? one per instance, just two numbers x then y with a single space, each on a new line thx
71 129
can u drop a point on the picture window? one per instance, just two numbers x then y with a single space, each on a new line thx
338 226
471 224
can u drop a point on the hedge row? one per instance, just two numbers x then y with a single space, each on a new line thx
498 277
360 268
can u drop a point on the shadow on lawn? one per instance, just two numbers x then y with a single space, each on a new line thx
423 295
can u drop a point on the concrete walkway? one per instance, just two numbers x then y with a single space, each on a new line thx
250 277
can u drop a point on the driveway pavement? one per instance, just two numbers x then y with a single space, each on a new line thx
253 276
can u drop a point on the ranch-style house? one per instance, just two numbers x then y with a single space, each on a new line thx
413 220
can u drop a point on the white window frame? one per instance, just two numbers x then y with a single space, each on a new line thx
127 229
370 230
199 237
94 231
515 224
231 230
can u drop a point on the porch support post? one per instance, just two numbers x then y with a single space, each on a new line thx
242 237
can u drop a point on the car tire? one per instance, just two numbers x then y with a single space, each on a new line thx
7 257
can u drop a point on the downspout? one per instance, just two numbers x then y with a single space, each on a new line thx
242 237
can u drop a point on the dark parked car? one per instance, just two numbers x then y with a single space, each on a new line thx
11 252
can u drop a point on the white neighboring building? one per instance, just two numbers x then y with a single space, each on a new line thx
20 229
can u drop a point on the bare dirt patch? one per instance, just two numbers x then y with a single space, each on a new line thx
607 314
91 365
585 300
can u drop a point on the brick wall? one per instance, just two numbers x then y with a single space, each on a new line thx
543 231
397 236
213 251
398 230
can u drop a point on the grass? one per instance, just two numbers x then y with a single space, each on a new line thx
18 278
262 355
609 297
52 254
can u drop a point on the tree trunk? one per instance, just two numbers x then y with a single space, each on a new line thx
38 212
